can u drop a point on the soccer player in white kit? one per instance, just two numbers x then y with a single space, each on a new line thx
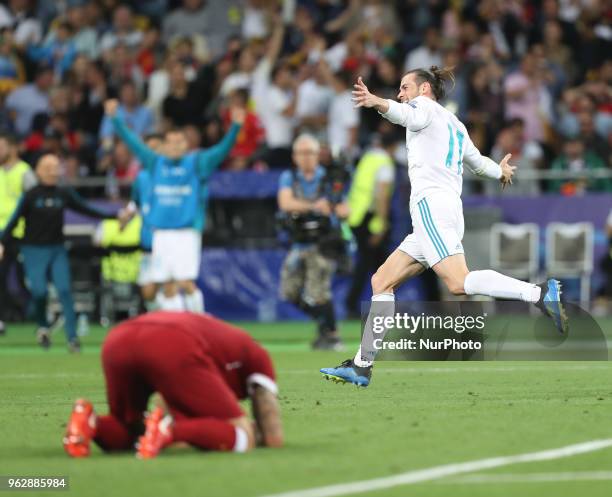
438 148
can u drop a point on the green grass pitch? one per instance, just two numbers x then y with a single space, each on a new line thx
413 416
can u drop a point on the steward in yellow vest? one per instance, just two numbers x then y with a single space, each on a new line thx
120 267
16 177
369 200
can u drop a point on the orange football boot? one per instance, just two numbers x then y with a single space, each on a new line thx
80 430
158 434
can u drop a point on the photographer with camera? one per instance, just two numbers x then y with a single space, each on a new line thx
311 212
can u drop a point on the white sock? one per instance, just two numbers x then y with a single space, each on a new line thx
194 302
170 303
380 297
494 284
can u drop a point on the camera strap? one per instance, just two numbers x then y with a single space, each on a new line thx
298 189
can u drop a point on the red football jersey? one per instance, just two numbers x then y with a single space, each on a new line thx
239 359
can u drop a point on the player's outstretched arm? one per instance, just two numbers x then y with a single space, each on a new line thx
76 203
145 155
363 98
266 411
413 115
481 165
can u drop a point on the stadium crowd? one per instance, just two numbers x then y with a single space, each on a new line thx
532 77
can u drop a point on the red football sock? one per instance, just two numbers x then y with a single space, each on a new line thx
112 434
205 433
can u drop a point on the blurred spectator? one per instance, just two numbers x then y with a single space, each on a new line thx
384 83
485 100
138 117
149 51
527 98
213 132
241 78
217 21
85 36
12 72
159 83
343 117
192 18
122 32
300 33
119 166
592 141
182 105
576 101
186 52
556 51
58 51
122 65
251 134
577 160
28 100
254 21
273 90
314 97
426 55
527 155
550 73
87 99
19 16
504 26
49 130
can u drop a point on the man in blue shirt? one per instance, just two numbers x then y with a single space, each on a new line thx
177 211
307 272
138 117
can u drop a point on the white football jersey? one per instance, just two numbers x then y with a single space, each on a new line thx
438 146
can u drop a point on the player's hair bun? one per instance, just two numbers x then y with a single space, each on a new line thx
437 78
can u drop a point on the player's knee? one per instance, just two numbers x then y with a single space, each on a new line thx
379 283
455 286
170 290
187 286
148 292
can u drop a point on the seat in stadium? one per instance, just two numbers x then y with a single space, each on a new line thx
569 249
514 250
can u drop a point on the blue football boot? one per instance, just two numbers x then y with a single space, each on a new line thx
349 372
550 304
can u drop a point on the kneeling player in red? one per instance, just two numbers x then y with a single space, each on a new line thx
201 367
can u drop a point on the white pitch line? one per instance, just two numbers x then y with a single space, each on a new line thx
467 369
437 472
531 477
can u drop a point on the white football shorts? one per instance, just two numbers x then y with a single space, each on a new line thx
176 255
145 274
437 229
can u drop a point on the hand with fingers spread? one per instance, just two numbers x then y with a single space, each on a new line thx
363 98
507 171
